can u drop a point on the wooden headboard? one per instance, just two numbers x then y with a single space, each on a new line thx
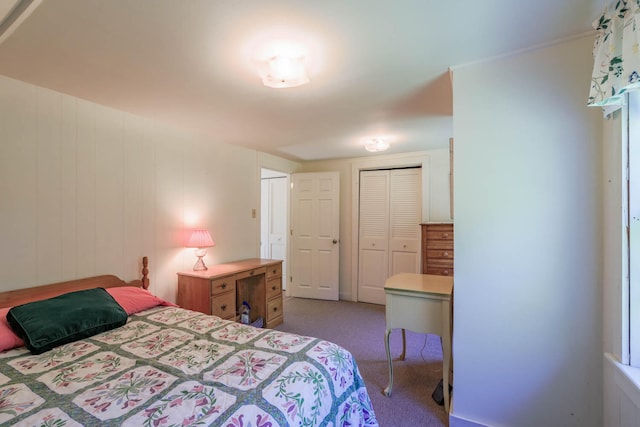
23 296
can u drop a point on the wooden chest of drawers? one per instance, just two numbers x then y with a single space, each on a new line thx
437 249
223 297
274 315
222 288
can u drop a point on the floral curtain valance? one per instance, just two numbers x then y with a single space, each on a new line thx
616 54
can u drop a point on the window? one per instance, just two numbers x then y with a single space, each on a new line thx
633 222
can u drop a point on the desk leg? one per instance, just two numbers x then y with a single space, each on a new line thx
404 344
387 391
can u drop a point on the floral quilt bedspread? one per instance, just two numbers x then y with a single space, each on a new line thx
169 366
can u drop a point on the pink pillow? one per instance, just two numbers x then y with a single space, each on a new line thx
8 339
134 299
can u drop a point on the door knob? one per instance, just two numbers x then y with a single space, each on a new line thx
335 241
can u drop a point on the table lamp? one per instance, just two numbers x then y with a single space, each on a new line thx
201 240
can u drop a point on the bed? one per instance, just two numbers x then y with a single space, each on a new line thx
169 366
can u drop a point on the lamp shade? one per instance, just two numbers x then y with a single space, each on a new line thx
200 238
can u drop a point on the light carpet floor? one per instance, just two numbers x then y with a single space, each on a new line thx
360 328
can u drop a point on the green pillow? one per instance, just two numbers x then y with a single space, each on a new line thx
49 323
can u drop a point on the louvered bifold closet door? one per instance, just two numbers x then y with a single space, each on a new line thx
373 260
404 222
389 235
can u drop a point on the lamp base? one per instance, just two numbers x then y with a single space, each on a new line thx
199 265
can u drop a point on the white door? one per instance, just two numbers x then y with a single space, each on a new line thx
405 215
264 218
389 234
373 263
277 225
273 221
315 230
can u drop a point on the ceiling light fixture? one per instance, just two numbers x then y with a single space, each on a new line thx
283 72
376 145
281 63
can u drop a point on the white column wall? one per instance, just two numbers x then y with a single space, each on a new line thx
527 341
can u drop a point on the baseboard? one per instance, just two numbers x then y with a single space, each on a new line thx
455 421
461 422
346 297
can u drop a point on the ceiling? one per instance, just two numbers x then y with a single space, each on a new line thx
377 67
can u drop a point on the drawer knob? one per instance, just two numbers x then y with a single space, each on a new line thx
446 254
273 288
445 272
223 286
404 246
373 244
274 271
223 307
275 308
251 273
445 234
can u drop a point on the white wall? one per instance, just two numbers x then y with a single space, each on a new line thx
435 193
528 242
87 190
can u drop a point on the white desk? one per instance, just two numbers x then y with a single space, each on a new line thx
420 303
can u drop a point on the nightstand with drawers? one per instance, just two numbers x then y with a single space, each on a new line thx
222 288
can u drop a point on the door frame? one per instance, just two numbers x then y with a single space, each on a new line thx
421 159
